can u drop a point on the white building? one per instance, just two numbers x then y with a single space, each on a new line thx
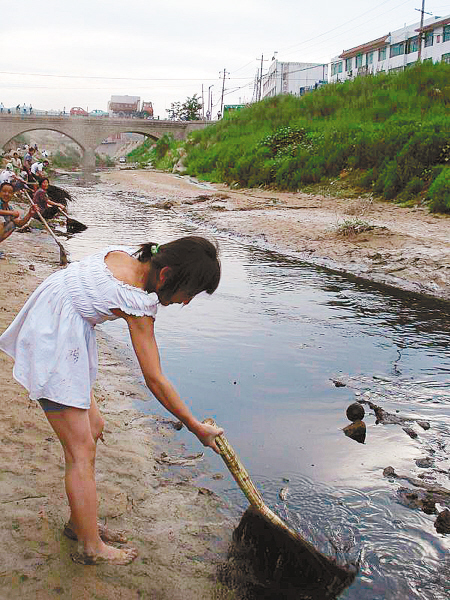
395 51
293 78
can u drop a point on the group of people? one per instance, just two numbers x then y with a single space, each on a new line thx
24 175
24 109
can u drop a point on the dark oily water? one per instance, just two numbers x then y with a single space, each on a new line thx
276 355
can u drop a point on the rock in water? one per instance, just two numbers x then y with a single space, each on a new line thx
356 431
442 523
355 412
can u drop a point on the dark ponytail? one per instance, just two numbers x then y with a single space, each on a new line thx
193 261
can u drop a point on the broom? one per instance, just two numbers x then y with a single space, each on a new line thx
60 196
63 260
280 559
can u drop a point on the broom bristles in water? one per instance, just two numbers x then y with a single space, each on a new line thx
262 533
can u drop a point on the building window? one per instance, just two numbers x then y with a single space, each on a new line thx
336 68
348 64
428 39
446 58
446 36
412 45
370 58
396 70
397 49
358 61
382 53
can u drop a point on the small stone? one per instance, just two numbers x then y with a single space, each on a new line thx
389 472
424 463
412 434
442 523
355 412
31 267
338 383
424 424
177 425
356 431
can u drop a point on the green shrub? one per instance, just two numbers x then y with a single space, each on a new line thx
439 193
392 127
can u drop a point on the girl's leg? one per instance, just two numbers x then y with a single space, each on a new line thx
73 428
96 423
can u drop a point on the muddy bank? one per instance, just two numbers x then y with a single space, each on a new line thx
406 248
178 527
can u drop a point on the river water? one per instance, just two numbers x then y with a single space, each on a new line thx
262 356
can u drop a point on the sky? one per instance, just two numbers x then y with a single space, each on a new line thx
64 53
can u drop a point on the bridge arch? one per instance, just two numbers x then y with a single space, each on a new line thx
89 132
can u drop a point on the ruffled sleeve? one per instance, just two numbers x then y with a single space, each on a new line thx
138 303
129 299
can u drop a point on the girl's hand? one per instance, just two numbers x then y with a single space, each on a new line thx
207 435
15 214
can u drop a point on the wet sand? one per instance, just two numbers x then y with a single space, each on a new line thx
179 529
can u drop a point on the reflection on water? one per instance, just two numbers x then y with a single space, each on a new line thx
260 356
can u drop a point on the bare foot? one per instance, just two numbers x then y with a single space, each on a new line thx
107 535
109 555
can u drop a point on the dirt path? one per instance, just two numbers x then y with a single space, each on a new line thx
408 248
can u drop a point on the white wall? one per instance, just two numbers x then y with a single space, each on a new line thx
340 69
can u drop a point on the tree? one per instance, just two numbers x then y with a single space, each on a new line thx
188 111
174 110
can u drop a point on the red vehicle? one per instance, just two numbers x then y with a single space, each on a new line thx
77 110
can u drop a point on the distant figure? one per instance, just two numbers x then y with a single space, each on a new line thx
7 175
27 162
37 169
11 218
43 202
16 162
2 108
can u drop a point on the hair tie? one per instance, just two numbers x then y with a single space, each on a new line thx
154 249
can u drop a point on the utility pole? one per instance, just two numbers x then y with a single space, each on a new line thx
203 104
422 12
210 103
260 77
225 73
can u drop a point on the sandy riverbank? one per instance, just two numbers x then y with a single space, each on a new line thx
408 248
178 528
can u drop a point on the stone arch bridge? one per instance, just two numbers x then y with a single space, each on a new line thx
89 132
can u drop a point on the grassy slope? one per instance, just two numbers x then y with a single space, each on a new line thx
388 133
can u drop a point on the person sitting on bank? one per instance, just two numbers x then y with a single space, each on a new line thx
37 169
11 218
45 205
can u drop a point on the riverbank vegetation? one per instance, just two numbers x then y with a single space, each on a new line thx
386 134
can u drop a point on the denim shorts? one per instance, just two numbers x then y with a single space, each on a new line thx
49 406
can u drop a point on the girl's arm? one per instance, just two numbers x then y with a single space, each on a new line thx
24 220
144 344
51 203
9 213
